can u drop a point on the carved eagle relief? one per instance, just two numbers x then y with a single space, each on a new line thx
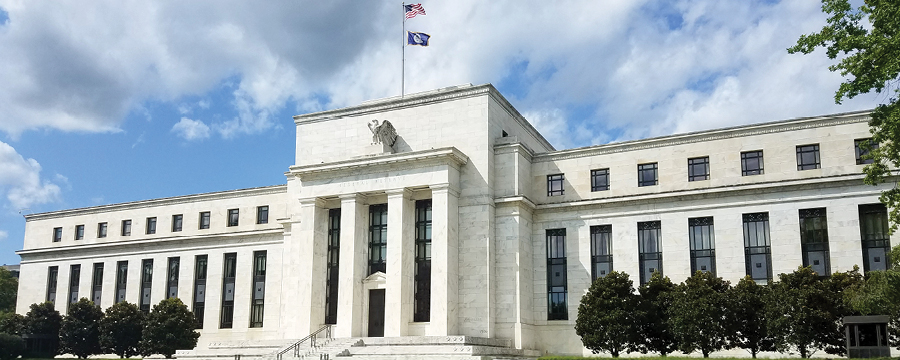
383 134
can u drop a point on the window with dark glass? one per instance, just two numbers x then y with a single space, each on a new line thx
752 163
332 265
862 147
808 157
177 222
262 214
101 230
647 174
814 240
172 277
377 238
649 250
126 227
146 284
74 280
79 232
121 280
97 283
557 286
422 311
698 169
233 217
757 248
57 234
151 225
555 185
52 277
703 244
257 305
875 235
226 318
200 262
601 251
204 220
600 180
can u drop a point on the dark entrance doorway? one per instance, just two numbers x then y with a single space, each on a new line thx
376 313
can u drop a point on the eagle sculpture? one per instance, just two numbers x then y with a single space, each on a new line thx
384 133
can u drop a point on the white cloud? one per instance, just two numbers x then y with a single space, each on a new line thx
191 129
20 179
3 235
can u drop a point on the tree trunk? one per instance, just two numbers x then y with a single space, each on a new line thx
803 353
705 353
615 353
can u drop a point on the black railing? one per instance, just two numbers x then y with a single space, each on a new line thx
311 338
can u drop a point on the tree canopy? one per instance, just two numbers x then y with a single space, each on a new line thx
120 329
748 330
80 331
655 300
698 313
9 288
169 327
606 320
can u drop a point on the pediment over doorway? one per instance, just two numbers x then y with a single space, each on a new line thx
378 278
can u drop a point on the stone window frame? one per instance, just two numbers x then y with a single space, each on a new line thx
702 240
377 238
201 265
601 250
126 227
874 234
753 157
173 270
555 185
229 273
102 230
649 248
644 171
757 241
146 285
79 232
814 237
57 234
860 151
52 282
121 280
151 225
258 297
205 220
74 281
177 222
698 168
234 217
557 296
600 179
808 157
262 214
97 282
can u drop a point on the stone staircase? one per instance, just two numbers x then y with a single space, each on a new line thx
235 350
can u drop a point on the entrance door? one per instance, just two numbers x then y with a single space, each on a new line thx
376 313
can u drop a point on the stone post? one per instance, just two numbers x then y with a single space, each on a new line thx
353 262
312 237
400 263
444 260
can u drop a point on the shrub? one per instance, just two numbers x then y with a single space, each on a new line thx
11 346
606 320
169 327
697 316
80 331
120 329
44 321
12 323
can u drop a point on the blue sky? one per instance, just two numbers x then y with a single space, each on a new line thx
115 101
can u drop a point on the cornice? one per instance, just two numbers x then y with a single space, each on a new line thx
709 135
523 201
221 195
449 155
517 148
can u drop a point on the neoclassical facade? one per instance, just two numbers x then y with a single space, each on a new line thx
451 226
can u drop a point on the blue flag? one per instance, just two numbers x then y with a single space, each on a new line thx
417 38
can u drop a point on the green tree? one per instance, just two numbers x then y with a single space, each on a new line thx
606 320
838 286
79 334
12 323
653 304
169 327
747 322
43 320
868 41
9 288
698 314
880 295
120 329
11 346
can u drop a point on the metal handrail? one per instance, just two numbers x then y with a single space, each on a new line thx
311 338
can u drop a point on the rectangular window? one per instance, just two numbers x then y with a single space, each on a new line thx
332 265
757 248
808 157
101 230
752 163
257 306
703 244
52 277
172 277
79 232
377 238
126 227
698 169
262 214
649 250
233 217
146 284
601 251
151 225
647 174
121 280
875 235
814 240
74 280
862 147
97 283
422 311
226 318
57 234
204 220
600 180
177 222
557 286
555 185
199 288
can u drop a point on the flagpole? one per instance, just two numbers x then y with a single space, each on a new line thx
403 55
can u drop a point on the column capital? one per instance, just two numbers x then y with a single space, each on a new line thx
352 197
312 201
444 188
404 192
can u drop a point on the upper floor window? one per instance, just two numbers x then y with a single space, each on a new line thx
151 225
752 163
262 214
204 220
233 217
647 174
57 234
808 157
126 227
79 232
698 169
599 179
862 148
177 222
101 230
555 185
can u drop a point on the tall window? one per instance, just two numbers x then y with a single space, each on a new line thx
257 306
698 169
422 295
862 147
204 220
555 185
57 234
377 238
199 288
146 284
601 251
808 157
233 217
177 222
757 248
79 232
752 163
126 227
74 279
600 180
101 230
557 287
332 265
52 277
172 277
703 244
874 233
649 250
226 318
97 283
647 174
814 240
121 280
151 225
262 214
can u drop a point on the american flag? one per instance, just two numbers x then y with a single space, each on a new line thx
414 9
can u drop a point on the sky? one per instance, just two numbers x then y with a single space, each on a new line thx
111 101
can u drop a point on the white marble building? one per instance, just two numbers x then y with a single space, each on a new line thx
444 239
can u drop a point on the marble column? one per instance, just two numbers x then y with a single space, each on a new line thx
312 236
353 264
444 260
400 263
